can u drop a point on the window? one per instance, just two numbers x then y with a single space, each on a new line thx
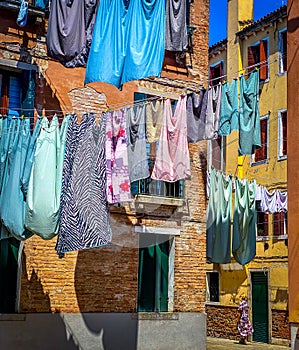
212 287
17 92
282 134
262 221
153 274
216 73
216 153
261 154
282 48
9 252
258 53
280 224
153 187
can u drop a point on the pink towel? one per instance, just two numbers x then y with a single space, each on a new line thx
172 158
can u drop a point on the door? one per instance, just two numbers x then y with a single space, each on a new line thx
260 308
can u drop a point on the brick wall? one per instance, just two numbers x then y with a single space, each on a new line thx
105 279
280 324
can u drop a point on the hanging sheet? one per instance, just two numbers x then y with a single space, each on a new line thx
12 206
195 125
137 157
128 43
176 25
172 158
70 30
219 218
44 189
249 119
229 108
244 225
154 118
213 112
85 219
117 167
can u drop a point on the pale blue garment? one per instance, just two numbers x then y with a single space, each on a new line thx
127 43
249 119
219 218
107 52
42 207
12 205
145 45
244 225
229 108
8 146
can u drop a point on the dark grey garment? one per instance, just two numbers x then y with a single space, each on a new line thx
70 31
176 38
137 157
213 112
195 125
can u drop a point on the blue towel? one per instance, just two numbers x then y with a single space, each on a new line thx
250 128
128 43
229 108
23 14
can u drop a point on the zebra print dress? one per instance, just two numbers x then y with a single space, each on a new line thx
84 221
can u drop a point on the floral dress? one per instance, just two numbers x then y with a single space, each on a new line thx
244 325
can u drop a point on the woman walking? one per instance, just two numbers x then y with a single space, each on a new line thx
244 325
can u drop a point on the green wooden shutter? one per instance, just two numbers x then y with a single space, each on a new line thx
260 306
28 93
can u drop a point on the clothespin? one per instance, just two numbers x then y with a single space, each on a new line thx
256 68
22 116
110 109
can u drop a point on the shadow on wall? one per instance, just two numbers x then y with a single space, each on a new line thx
106 289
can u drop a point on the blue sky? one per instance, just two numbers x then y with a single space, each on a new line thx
218 14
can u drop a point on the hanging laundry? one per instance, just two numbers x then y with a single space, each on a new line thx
117 168
172 158
85 219
137 157
176 25
44 189
128 43
249 118
70 30
244 225
229 108
196 109
213 112
282 201
12 205
154 118
219 218
23 14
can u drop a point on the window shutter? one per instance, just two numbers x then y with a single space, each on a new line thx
284 50
212 75
251 57
278 224
266 226
263 57
261 153
4 93
28 93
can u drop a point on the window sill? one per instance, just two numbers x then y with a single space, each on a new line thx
157 316
262 238
282 74
146 202
212 303
12 317
15 6
265 161
282 158
280 237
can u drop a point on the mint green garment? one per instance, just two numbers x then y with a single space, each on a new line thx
219 218
43 198
244 226
249 119
12 204
229 109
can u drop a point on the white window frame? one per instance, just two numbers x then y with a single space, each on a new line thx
208 301
280 135
264 161
280 58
